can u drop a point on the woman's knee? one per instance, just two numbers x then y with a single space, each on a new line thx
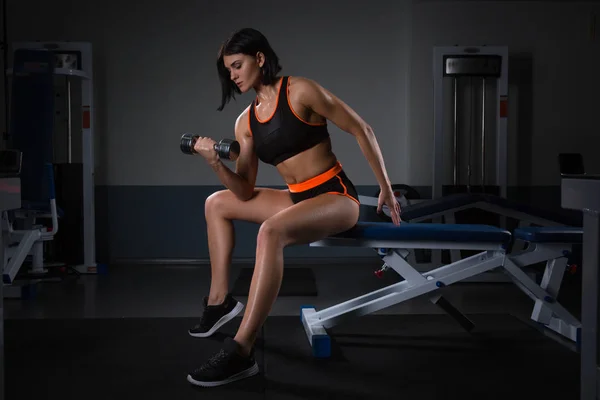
271 233
217 203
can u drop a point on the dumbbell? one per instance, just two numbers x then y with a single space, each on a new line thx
226 148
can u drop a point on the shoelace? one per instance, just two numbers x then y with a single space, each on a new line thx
214 361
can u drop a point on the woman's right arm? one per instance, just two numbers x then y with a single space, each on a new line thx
242 181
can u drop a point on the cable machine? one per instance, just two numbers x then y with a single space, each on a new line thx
73 145
470 120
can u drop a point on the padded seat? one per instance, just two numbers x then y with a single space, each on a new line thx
427 232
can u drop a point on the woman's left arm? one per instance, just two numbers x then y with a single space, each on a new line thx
323 102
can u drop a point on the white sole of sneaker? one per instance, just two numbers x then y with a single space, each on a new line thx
253 370
224 319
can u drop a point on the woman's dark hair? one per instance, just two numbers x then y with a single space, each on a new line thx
246 41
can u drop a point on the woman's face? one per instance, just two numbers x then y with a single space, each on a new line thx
244 70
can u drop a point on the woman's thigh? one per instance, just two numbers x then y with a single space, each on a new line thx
312 219
265 203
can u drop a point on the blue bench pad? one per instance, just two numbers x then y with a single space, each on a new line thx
427 232
550 234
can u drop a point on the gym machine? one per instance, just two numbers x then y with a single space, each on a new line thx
10 199
72 144
470 120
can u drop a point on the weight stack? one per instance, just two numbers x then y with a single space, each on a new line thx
68 242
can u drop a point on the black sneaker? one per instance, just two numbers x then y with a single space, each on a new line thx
215 316
226 366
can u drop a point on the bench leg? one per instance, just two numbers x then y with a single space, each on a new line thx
452 311
415 284
551 281
547 310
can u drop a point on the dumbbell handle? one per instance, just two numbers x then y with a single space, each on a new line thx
193 141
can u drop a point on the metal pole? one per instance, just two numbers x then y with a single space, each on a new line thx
69 116
2 378
455 133
589 305
4 73
483 135
471 123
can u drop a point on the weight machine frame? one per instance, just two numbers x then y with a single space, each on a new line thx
439 134
86 74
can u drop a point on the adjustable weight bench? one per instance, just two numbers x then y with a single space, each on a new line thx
393 243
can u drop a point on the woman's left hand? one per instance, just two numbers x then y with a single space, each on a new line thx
386 197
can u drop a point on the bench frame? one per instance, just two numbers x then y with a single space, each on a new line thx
546 311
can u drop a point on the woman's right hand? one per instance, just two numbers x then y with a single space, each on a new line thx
205 146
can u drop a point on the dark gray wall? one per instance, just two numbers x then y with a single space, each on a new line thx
554 53
155 78
154 222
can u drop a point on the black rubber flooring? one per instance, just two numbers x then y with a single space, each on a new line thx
295 282
374 357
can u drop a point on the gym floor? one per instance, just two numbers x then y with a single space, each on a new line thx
125 333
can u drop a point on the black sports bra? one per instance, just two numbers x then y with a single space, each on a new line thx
284 134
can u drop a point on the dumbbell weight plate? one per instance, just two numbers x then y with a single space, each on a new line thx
187 143
228 149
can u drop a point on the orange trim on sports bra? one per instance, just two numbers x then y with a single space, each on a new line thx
287 92
274 109
249 125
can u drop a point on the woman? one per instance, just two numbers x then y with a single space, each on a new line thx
285 126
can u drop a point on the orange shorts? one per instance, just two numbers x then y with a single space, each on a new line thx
333 181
